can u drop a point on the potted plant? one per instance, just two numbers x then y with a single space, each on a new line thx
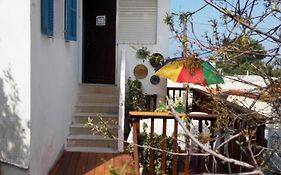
156 59
143 53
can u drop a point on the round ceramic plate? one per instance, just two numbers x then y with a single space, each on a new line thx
154 79
140 71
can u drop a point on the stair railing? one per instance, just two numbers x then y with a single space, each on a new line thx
122 83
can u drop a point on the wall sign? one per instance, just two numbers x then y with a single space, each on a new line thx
101 20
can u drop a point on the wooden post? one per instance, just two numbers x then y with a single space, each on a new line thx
164 147
175 148
200 159
136 150
151 157
186 158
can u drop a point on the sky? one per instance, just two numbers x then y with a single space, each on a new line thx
201 24
200 19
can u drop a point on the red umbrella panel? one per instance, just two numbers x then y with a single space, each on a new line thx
189 70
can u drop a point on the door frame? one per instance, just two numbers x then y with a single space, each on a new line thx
81 41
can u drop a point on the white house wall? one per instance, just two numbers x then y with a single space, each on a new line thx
54 84
15 82
161 46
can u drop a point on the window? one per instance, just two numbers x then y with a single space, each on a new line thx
137 21
47 17
71 20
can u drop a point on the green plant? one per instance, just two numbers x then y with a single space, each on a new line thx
145 151
156 59
143 53
178 106
125 169
101 127
136 100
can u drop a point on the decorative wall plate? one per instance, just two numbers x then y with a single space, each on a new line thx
154 79
140 71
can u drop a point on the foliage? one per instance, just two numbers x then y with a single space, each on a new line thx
276 73
136 100
238 50
204 137
145 151
143 53
219 108
243 55
243 48
101 127
276 68
154 59
125 169
178 106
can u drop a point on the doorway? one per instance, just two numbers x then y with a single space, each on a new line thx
99 41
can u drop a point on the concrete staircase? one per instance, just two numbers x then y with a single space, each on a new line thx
93 101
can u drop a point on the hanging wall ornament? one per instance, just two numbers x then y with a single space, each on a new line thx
156 59
140 71
154 79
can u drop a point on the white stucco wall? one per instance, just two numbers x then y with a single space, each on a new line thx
161 46
15 82
54 84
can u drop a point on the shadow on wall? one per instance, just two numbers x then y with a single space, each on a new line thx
13 150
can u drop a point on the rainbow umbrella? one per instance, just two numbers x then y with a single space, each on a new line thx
189 70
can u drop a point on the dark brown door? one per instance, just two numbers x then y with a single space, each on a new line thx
99 23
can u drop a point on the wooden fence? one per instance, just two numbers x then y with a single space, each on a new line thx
195 161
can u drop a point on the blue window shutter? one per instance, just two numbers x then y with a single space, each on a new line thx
47 17
71 20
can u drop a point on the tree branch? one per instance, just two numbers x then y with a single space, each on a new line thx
242 22
223 158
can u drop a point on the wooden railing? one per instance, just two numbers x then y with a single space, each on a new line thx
165 117
196 161
175 92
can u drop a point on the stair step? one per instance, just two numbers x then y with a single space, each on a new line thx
87 137
102 98
80 128
107 89
91 141
98 104
97 107
82 117
90 149
94 101
78 125
93 114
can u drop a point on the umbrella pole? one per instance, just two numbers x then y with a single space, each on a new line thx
187 110
184 39
184 55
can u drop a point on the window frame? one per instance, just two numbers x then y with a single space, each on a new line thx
70 20
47 17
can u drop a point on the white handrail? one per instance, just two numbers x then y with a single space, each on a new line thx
121 101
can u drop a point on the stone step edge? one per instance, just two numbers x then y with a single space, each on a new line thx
80 125
90 149
89 137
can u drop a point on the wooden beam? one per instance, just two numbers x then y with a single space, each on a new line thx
138 114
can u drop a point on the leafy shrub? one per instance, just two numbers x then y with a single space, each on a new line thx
144 152
136 100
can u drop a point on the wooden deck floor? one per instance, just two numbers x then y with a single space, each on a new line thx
76 163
